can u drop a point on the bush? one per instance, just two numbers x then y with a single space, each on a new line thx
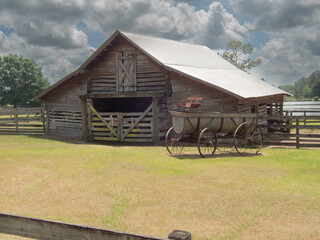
316 98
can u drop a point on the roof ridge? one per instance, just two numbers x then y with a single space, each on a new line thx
165 39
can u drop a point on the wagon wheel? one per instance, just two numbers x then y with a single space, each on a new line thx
207 142
248 139
174 144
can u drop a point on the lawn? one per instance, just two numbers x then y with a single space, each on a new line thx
143 190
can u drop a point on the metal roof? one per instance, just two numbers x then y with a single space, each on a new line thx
195 61
203 65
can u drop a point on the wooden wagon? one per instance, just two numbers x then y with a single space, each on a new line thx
202 128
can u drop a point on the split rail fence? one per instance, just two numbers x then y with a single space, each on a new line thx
296 129
50 230
24 121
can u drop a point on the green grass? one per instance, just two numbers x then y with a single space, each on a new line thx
145 191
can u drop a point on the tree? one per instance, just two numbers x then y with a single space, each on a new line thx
287 88
307 92
20 80
234 53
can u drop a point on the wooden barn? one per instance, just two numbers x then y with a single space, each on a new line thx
124 91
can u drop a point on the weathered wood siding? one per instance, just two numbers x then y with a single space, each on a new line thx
213 100
64 108
149 75
263 106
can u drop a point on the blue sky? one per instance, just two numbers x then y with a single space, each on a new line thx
60 35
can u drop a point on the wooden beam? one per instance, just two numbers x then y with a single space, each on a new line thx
155 118
137 121
123 95
84 114
51 230
104 122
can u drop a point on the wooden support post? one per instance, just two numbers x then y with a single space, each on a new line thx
121 136
90 137
84 120
155 120
43 118
179 235
297 134
47 121
16 120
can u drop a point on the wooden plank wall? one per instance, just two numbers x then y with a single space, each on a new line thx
150 76
64 108
264 106
213 100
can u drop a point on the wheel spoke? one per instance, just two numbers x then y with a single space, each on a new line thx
248 142
174 143
207 142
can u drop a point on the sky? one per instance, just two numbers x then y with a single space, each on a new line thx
61 34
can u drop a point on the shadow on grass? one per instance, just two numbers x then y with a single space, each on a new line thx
194 156
102 143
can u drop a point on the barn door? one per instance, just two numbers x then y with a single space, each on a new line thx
120 126
126 71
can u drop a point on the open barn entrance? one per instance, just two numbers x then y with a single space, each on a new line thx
124 119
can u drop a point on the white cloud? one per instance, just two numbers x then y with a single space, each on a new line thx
164 19
47 30
293 50
55 63
45 23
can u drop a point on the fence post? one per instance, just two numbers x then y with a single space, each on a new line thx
84 115
297 133
43 119
180 235
16 119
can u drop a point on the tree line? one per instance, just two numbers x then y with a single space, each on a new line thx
306 87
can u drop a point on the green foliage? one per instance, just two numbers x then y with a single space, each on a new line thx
287 88
316 98
236 49
307 92
20 80
306 87
316 89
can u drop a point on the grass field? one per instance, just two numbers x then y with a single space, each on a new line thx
143 190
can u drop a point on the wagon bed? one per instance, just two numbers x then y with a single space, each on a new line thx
202 128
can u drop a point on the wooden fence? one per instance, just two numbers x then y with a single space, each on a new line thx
296 128
50 230
28 121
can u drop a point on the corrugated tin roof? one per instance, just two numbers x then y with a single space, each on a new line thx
195 61
204 65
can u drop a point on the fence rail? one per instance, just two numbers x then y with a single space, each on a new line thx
27 121
297 128
51 230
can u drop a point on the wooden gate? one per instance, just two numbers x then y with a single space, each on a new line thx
126 75
122 127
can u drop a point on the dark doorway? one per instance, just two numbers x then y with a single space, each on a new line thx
127 105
